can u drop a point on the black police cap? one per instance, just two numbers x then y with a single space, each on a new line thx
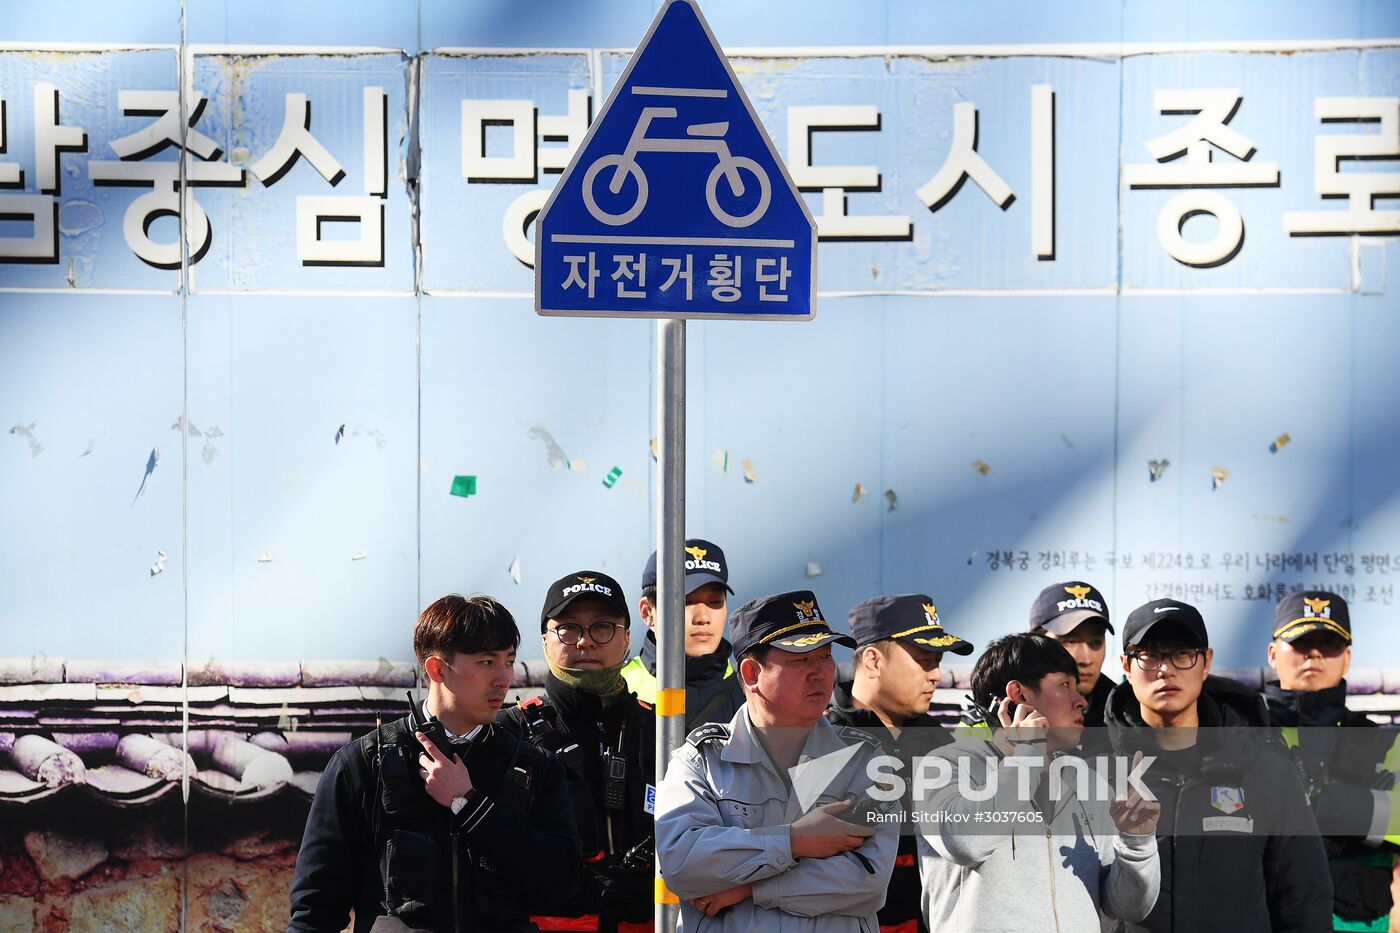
910 618
789 622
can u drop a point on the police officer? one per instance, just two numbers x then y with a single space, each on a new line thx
440 820
605 737
899 648
748 827
1076 615
712 692
1348 766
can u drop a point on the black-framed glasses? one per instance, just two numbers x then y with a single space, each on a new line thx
600 633
1183 659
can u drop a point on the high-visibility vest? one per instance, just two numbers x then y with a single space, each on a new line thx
642 682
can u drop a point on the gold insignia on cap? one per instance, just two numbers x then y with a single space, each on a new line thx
1318 607
806 641
1078 592
942 641
807 609
932 612
697 552
585 579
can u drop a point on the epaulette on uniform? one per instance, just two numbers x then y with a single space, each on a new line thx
710 732
854 732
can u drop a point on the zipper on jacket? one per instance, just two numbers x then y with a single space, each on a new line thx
1050 857
456 894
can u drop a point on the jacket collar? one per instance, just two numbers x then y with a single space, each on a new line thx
1325 707
712 666
744 748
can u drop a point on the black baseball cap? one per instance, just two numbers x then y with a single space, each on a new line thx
911 618
583 584
1063 607
789 622
1297 614
704 564
1152 616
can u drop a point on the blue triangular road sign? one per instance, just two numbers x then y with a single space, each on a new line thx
676 204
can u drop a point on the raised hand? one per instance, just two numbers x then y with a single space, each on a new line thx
1134 814
445 778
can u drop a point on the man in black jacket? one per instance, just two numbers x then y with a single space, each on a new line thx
1239 848
440 821
899 647
712 692
1347 764
1075 614
606 738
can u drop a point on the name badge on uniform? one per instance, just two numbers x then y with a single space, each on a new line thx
651 800
1228 824
1227 799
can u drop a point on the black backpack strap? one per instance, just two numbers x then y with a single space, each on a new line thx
375 822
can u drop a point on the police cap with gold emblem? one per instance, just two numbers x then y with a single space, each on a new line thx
911 618
1063 607
1298 614
789 622
585 584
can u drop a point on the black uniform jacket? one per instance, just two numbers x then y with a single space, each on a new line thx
374 839
1239 847
1344 757
902 904
620 727
712 689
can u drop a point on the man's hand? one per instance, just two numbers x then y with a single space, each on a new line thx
822 834
712 904
1134 815
445 778
1021 724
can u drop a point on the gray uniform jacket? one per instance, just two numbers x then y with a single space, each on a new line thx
721 820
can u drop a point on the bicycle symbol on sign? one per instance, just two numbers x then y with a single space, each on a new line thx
700 137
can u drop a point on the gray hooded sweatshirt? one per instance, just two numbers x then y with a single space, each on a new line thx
1022 865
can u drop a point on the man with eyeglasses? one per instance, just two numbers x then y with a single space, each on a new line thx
1347 764
440 820
1239 848
605 737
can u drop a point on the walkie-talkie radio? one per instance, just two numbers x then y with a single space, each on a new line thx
432 729
615 783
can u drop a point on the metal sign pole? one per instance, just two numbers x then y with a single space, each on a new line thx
670 574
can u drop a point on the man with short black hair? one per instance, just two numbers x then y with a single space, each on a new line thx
900 644
1075 614
605 737
712 692
1244 853
448 833
749 824
1348 765
1078 855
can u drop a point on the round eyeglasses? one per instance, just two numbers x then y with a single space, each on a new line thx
600 633
1183 659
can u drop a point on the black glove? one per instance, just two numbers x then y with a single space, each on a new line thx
1343 810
